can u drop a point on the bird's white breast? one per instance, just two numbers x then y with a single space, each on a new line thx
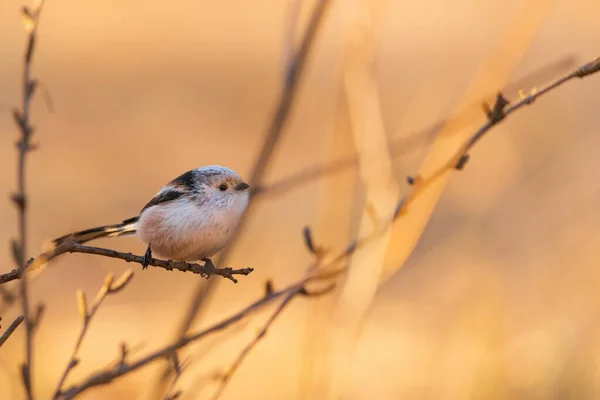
185 231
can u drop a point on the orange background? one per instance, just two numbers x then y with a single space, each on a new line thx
499 300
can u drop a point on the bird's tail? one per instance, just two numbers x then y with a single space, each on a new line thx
125 228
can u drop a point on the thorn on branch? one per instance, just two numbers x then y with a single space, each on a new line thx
31 86
308 241
462 162
124 352
496 114
19 120
19 200
269 289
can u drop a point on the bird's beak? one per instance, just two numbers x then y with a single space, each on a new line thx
241 186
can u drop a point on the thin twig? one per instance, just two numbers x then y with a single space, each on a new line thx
74 247
109 287
12 327
178 368
226 377
289 47
495 114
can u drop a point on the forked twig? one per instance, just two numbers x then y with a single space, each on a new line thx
109 287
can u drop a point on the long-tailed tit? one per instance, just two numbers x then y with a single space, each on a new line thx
191 218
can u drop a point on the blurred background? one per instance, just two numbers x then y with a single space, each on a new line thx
498 300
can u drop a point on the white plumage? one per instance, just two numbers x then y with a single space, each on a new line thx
191 218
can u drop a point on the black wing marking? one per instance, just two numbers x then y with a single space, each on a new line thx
163 197
131 220
185 181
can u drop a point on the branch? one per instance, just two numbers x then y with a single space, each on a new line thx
72 246
109 287
24 146
109 374
178 368
226 377
9 331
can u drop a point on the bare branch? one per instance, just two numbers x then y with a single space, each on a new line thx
11 328
294 8
24 146
178 368
106 376
226 376
74 247
107 288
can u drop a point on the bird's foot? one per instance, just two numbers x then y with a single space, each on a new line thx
147 258
208 263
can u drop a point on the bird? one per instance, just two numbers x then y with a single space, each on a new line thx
191 218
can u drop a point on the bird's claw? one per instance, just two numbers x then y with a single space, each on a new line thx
147 258
208 263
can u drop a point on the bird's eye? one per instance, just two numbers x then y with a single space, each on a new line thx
223 187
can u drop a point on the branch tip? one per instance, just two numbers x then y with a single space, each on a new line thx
308 240
82 305
460 165
269 289
496 113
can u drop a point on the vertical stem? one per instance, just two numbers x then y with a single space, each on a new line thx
20 198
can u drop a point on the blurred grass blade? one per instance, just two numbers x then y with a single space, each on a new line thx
493 74
336 203
361 24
